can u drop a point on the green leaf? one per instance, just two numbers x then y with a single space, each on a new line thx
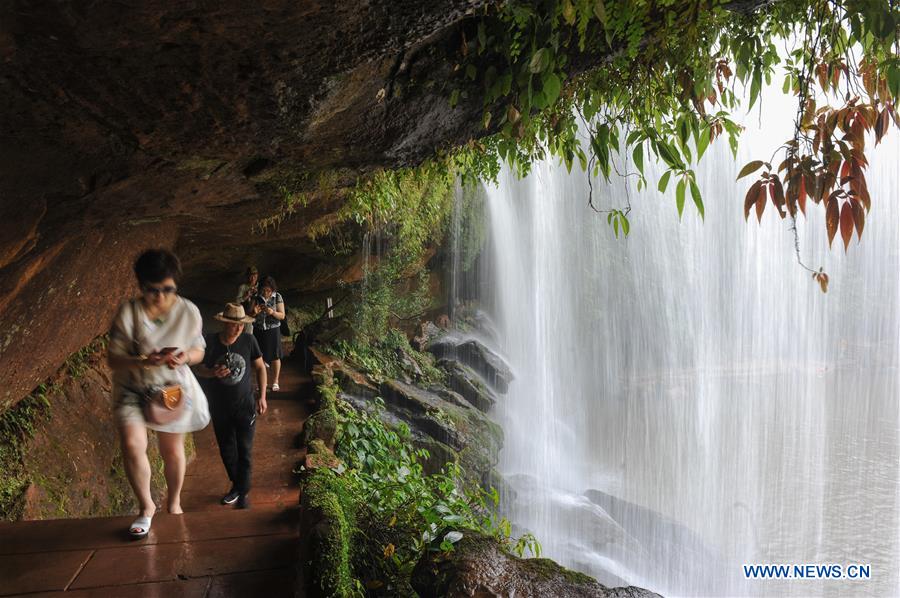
539 61
626 226
552 86
600 12
733 144
893 80
679 196
616 227
669 154
698 199
755 86
750 168
568 12
702 142
638 155
664 181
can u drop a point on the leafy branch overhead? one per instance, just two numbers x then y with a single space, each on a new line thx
662 77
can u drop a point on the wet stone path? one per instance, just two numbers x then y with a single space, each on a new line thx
209 551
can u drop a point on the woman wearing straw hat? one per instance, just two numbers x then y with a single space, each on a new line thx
153 341
229 356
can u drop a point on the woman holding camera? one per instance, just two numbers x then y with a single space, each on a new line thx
247 292
267 329
153 341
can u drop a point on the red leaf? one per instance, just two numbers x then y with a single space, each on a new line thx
846 224
831 219
750 198
845 169
822 279
801 197
859 218
881 125
777 193
760 202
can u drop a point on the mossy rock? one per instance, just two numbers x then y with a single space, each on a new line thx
317 447
321 425
326 546
479 565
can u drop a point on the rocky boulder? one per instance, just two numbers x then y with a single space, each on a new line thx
466 381
473 353
480 567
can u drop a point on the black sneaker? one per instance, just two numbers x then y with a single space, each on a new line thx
243 502
232 496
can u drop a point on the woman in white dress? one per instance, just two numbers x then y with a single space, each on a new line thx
153 341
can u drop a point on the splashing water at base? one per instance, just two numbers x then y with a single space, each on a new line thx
687 400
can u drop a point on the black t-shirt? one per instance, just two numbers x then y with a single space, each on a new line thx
238 358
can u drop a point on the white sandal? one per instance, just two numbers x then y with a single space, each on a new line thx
140 527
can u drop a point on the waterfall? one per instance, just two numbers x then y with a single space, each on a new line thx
687 400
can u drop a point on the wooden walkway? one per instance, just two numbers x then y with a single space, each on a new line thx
209 551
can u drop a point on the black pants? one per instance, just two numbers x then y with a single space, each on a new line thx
234 433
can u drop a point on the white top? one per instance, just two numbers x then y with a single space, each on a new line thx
180 328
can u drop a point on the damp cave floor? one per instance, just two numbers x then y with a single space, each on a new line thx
209 551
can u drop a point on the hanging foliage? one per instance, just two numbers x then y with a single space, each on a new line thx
660 77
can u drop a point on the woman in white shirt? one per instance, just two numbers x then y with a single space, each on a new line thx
154 340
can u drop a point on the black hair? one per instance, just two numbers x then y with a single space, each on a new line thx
156 265
268 281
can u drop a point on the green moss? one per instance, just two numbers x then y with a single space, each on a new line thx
205 165
332 551
549 569
80 361
321 425
119 496
317 447
17 427
390 356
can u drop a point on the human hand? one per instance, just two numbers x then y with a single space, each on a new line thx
176 359
221 371
261 406
270 311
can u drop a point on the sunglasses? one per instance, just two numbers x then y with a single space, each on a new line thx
166 290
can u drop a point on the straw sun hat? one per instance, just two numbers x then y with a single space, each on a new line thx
234 314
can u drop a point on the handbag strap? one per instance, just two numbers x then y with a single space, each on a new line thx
135 341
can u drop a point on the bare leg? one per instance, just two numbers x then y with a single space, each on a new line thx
171 448
276 369
133 438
